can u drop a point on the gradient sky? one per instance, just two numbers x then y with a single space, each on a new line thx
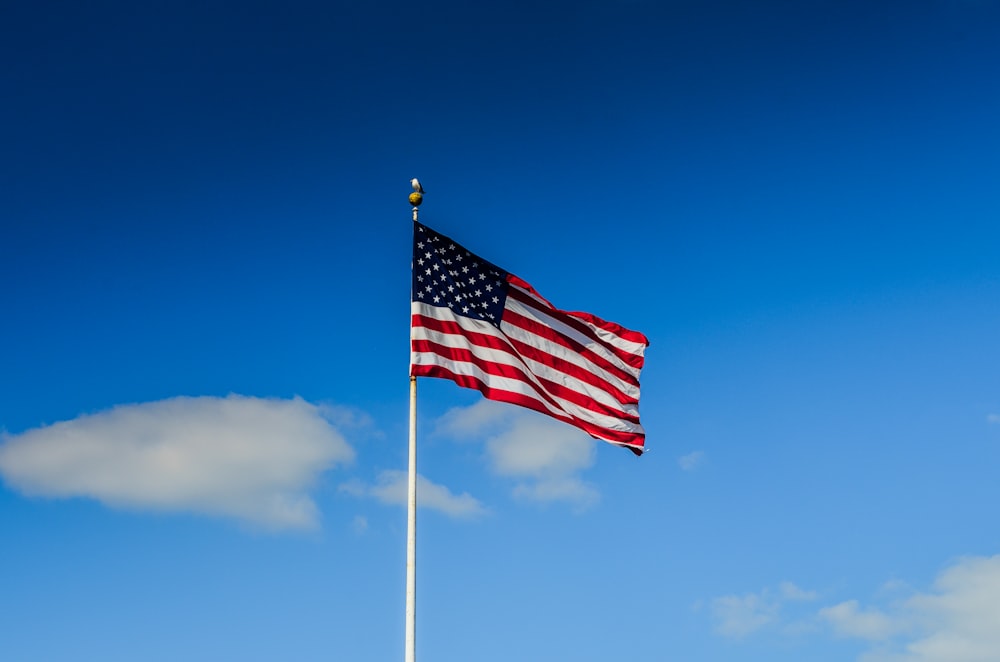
204 287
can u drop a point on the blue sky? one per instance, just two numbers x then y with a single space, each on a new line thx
204 281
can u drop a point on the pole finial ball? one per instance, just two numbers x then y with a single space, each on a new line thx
416 199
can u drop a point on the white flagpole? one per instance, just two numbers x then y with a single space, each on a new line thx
411 531
411 506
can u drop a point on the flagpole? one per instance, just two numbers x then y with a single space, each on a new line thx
411 531
411 506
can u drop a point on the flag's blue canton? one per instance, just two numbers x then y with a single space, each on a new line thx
445 274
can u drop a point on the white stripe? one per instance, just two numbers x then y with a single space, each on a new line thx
609 337
521 388
501 357
604 394
544 344
501 383
445 314
456 341
569 332
563 406
601 395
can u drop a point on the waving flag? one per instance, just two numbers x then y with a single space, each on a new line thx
484 328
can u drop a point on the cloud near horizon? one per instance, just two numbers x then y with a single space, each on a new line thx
245 458
958 620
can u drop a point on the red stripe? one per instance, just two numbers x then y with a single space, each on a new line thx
628 358
548 333
617 329
511 347
453 328
573 370
523 289
633 441
490 367
548 387
520 349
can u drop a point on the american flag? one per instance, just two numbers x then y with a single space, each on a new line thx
484 328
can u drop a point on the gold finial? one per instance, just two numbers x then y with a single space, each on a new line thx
416 197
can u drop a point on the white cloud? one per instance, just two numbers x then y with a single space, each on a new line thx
737 616
532 445
246 458
569 489
543 456
470 423
959 621
791 592
848 620
390 488
993 418
691 461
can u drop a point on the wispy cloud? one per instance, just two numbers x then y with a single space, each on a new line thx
239 457
390 488
691 461
848 620
792 593
993 419
957 621
737 616
543 456
469 424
